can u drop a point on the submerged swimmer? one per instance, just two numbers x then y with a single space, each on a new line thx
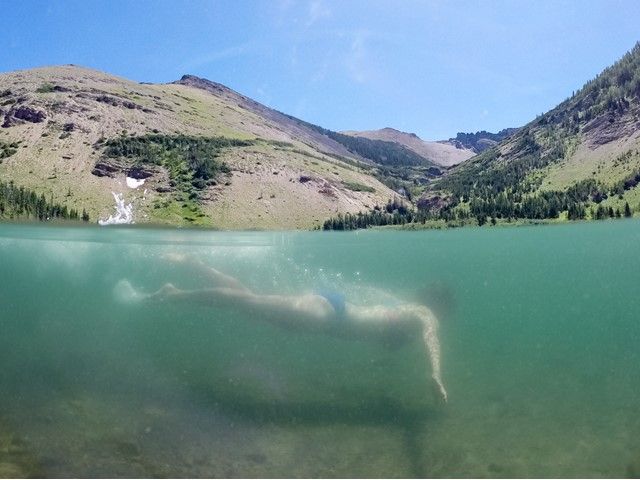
321 311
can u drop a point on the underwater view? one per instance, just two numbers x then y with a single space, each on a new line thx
101 377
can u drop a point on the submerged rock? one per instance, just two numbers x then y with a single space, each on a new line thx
11 470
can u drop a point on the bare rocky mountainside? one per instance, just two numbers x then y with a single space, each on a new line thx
443 153
188 153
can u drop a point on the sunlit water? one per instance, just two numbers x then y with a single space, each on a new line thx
540 354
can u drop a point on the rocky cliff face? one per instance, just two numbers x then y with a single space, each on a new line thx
478 142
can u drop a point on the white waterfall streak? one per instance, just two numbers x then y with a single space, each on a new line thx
124 213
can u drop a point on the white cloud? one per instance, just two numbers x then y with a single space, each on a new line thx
317 11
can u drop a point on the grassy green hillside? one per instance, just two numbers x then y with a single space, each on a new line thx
582 155
194 153
581 160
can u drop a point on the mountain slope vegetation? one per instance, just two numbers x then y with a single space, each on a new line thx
581 155
580 160
192 152
195 152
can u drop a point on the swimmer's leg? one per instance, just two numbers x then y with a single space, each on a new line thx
216 297
126 293
218 278
288 311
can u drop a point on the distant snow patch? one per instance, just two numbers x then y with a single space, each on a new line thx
134 182
124 213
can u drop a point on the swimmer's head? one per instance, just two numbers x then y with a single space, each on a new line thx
439 297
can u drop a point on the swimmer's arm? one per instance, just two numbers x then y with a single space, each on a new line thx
380 317
432 344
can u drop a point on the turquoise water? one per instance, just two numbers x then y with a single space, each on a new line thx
540 355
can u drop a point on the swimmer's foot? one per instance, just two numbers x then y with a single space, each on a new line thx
125 293
167 290
162 294
443 394
438 390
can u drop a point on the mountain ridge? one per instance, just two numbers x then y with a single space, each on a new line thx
442 153
481 140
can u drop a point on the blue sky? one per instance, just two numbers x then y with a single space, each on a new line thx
429 67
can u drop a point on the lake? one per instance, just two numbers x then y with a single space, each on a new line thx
539 332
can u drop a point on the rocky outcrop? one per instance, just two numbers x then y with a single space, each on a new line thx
21 114
29 114
607 128
433 203
105 168
117 102
480 141
110 168
140 172
307 178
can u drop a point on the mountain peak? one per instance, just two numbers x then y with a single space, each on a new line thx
202 83
440 153
395 131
